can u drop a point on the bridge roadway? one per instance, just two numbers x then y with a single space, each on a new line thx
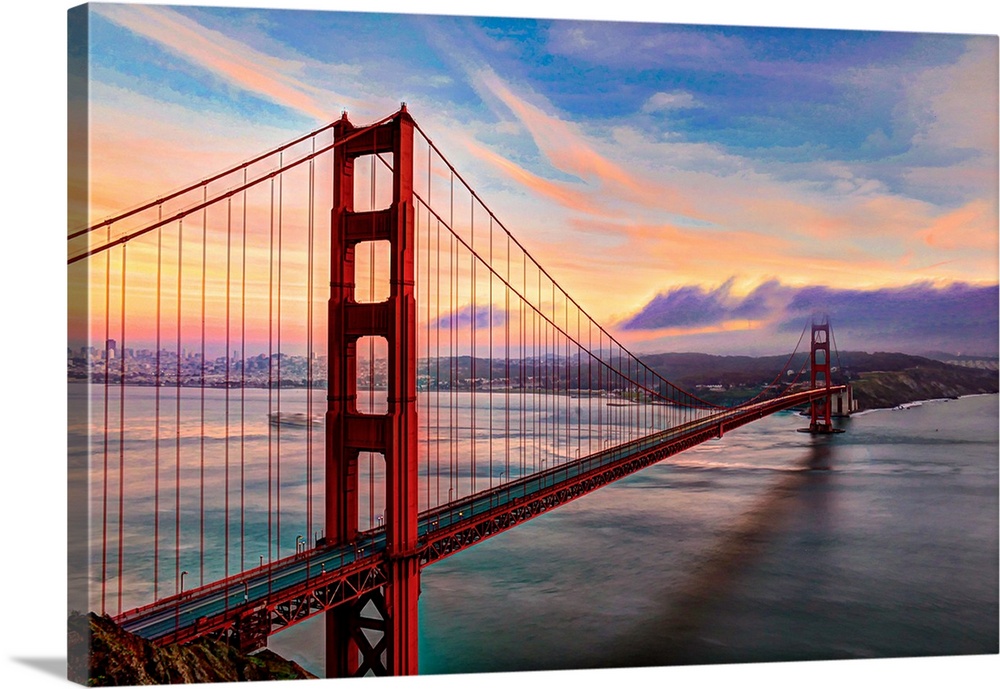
216 607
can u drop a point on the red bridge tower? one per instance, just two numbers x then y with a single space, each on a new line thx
819 377
393 434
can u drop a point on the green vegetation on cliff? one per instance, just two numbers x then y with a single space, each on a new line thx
883 389
114 657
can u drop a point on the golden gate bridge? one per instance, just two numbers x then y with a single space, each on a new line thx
450 390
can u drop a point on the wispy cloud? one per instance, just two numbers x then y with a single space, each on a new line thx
643 46
130 162
265 75
559 140
568 195
665 195
663 101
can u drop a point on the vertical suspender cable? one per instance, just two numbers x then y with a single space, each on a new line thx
427 337
552 377
201 476
589 384
228 354
632 411
581 385
571 447
568 374
597 378
551 384
544 451
107 375
270 385
531 394
177 428
546 390
309 349
156 423
528 320
524 370
277 445
490 365
243 380
452 282
472 332
542 341
437 361
506 367
121 441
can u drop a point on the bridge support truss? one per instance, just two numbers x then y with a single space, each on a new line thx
389 614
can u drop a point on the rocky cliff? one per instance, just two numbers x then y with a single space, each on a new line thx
885 389
118 658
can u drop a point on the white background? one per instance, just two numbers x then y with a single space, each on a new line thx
32 330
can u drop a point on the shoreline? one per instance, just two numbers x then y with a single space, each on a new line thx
919 403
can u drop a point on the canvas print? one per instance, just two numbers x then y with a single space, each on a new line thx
409 344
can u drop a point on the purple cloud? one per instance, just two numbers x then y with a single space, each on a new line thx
466 317
694 306
916 318
957 317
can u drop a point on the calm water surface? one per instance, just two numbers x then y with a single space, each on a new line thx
767 545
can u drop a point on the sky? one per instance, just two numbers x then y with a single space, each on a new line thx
693 187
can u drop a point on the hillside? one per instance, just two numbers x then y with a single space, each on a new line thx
880 379
118 658
882 389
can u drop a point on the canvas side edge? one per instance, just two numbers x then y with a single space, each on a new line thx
78 412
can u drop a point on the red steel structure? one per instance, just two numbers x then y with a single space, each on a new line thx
393 434
820 420
503 398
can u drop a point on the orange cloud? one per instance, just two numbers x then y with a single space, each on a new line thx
568 150
562 194
971 227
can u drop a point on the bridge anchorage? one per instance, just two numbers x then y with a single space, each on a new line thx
502 398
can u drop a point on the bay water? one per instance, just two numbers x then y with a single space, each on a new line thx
765 545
